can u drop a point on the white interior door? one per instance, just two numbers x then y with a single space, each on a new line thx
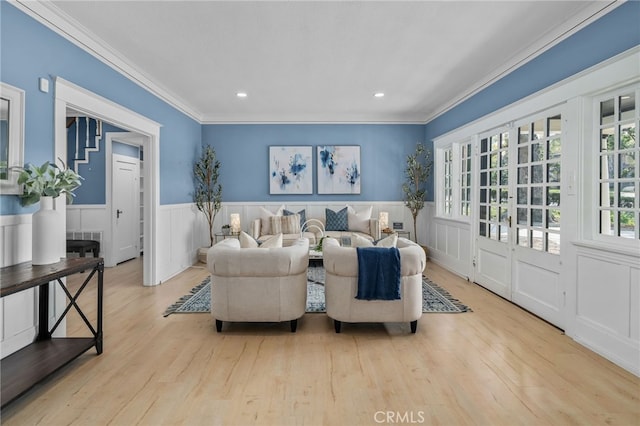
518 221
536 246
493 254
125 207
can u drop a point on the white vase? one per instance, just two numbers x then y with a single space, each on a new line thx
45 234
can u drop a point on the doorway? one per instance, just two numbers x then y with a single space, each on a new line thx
125 223
68 95
517 243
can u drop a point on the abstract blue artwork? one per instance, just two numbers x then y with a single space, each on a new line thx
339 169
290 170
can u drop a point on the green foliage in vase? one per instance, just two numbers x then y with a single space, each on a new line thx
208 192
417 171
48 180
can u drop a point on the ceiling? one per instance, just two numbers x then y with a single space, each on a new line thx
320 61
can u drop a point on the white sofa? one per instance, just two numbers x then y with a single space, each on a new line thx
341 287
258 284
316 227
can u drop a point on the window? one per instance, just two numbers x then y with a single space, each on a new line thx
465 180
448 187
453 180
618 174
538 184
494 187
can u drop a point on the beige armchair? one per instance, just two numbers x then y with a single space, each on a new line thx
258 284
341 287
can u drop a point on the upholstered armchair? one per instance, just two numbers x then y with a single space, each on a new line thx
341 287
258 284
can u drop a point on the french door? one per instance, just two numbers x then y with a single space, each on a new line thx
517 252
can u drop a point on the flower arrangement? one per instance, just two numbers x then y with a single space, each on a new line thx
48 180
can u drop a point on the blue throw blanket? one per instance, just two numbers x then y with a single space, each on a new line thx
378 273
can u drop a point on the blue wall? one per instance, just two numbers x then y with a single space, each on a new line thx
243 151
93 188
610 35
30 51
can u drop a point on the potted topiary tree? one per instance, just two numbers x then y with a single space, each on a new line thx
207 192
417 171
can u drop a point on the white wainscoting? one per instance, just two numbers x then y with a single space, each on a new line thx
607 305
182 229
449 242
19 311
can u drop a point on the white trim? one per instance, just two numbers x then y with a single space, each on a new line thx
618 70
15 159
58 21
47 14
69 95
547 41
592 205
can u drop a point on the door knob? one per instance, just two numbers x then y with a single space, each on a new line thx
118 213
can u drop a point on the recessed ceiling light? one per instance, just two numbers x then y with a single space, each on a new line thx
241 94
379 95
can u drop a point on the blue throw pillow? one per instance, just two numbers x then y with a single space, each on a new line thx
336 221
302 213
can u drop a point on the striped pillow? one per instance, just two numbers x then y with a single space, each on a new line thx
289 224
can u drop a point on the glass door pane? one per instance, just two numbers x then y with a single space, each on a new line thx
538 184
494 187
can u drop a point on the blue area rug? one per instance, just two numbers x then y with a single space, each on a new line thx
434 298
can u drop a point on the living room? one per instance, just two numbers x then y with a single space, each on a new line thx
581 68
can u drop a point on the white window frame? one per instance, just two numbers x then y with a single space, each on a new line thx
454 211
592 140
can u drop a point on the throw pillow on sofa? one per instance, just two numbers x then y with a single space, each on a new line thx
287 224
336 221
386 242
358 241
265 219
359 221
273 242
302 213
247 241
390 241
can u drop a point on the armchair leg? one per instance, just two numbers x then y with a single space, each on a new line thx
337 324
294 325
414 326
218 325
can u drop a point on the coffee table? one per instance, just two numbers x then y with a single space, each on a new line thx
315 257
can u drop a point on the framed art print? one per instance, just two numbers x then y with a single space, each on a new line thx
339 169
290 170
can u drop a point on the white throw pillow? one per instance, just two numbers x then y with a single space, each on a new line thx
358 241
273 242
247 241
359 221
390 241
265 216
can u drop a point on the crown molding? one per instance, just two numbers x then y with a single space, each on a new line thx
549 40
55 19
62 24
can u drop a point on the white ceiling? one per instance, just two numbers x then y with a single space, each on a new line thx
306 61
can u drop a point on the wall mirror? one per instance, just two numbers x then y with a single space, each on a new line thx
11 137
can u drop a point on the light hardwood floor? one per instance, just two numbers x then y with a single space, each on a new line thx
497 365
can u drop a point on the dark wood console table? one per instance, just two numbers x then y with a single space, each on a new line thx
28 366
